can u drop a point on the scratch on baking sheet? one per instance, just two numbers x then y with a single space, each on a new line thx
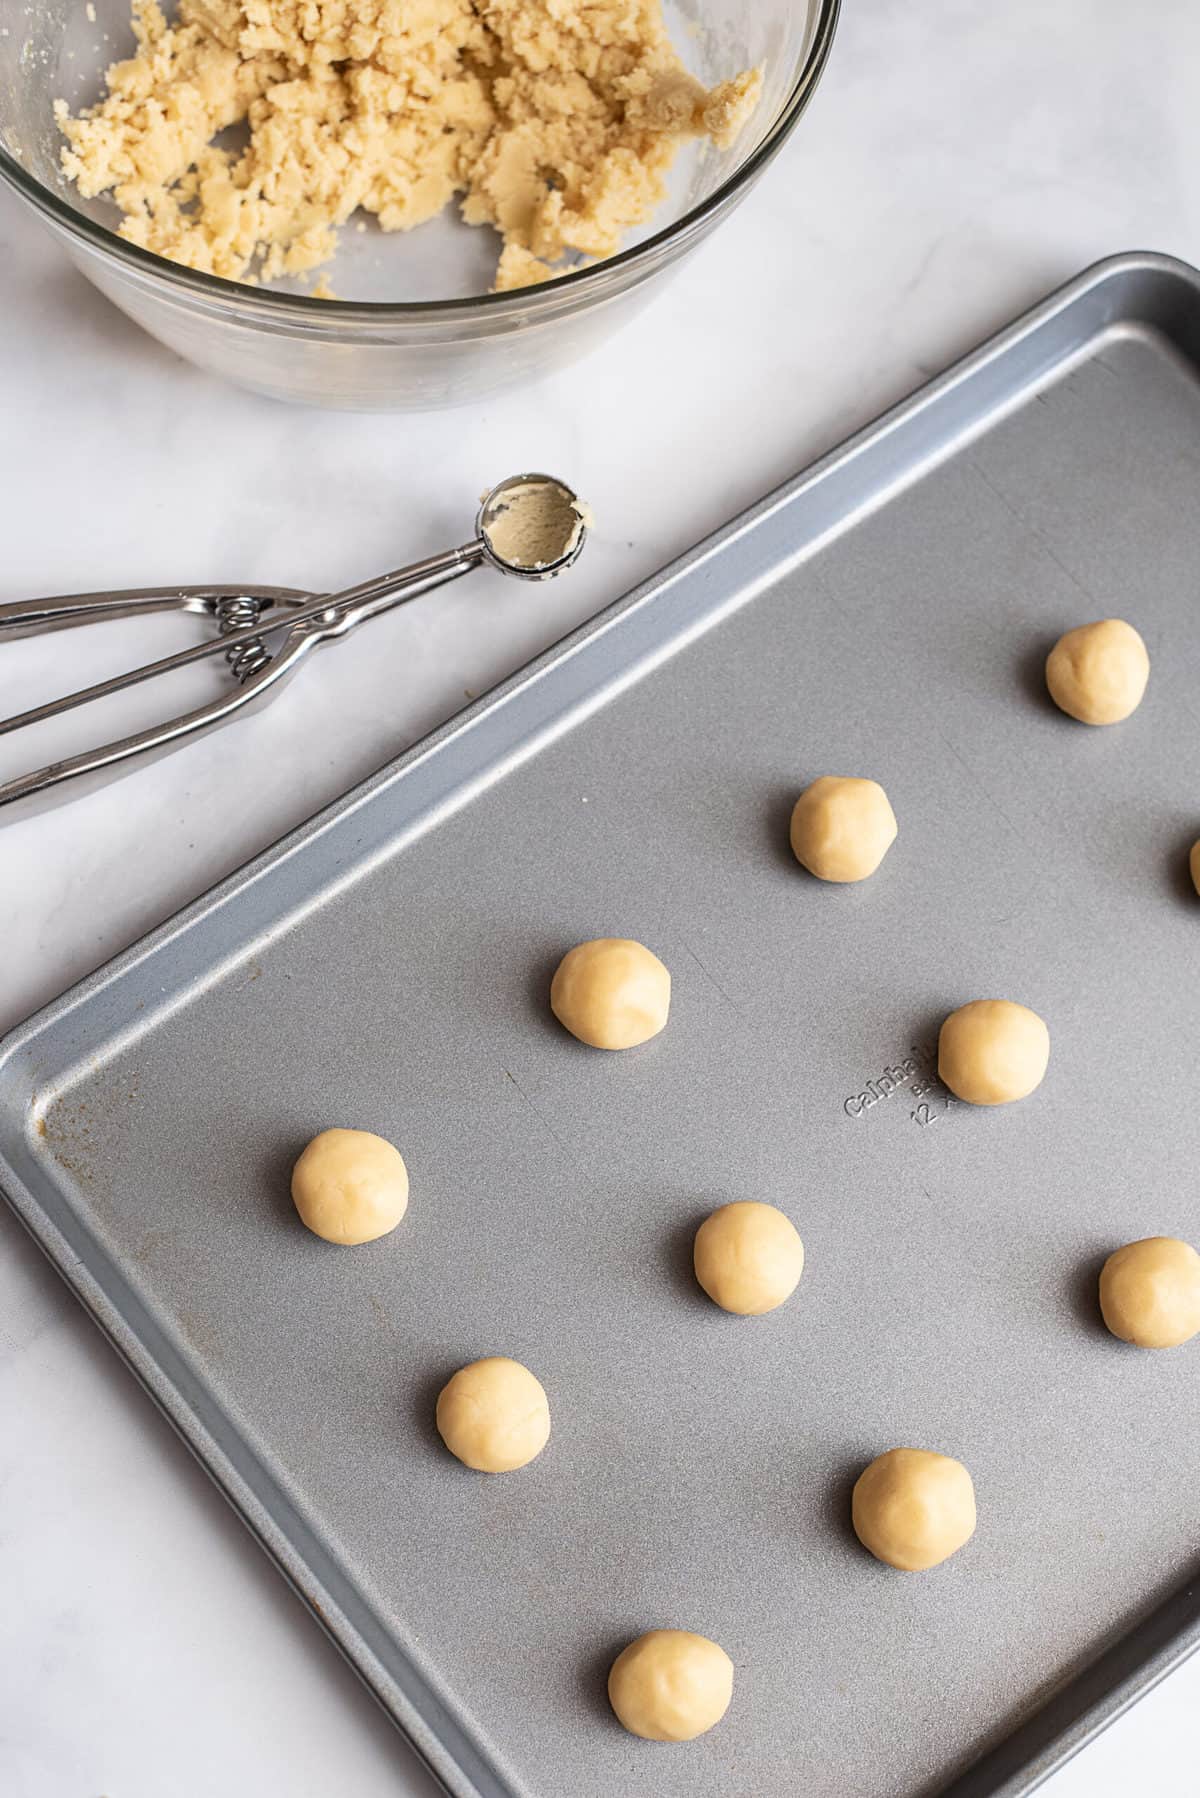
543 1120
1034 533
713 983
382 1313
987 793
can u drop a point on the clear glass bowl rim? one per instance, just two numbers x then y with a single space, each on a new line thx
295 308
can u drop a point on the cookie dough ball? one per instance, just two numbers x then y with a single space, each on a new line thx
1194 864
494 1415
748 1257
670 1686
913 1508
1150 1292
350 1186
1098 672
992 1051
842 828
611 993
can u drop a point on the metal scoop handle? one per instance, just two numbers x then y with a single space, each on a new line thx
315 621
384 592
31 617
307 620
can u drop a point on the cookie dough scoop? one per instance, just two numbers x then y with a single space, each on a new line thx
531 526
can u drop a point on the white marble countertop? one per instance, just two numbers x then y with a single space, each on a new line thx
959 161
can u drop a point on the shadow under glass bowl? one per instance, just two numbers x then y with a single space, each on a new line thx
369 351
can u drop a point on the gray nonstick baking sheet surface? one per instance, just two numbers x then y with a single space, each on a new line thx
887 614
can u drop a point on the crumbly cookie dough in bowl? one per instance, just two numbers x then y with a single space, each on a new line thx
400 318
554 121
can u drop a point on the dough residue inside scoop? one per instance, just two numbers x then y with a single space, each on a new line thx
555 121
534 524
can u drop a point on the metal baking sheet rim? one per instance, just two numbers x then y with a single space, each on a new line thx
1139 292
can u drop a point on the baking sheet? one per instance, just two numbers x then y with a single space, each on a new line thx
387 967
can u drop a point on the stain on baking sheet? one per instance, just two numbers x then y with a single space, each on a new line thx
81 1133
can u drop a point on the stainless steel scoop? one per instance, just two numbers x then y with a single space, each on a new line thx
245 616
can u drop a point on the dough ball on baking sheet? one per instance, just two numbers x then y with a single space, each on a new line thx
1098 672
350 1186
993 1051
842 827
748 1257
611 993
913 1509
1150 1292
494 1415
670 1685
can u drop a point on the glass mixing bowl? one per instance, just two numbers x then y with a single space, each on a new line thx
446 341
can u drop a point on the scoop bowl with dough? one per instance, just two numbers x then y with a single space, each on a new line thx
913 1508
1097 673
670 1685
1150 1292
842 827
611 993
748 1257
993 1051
494 1415
350 1186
